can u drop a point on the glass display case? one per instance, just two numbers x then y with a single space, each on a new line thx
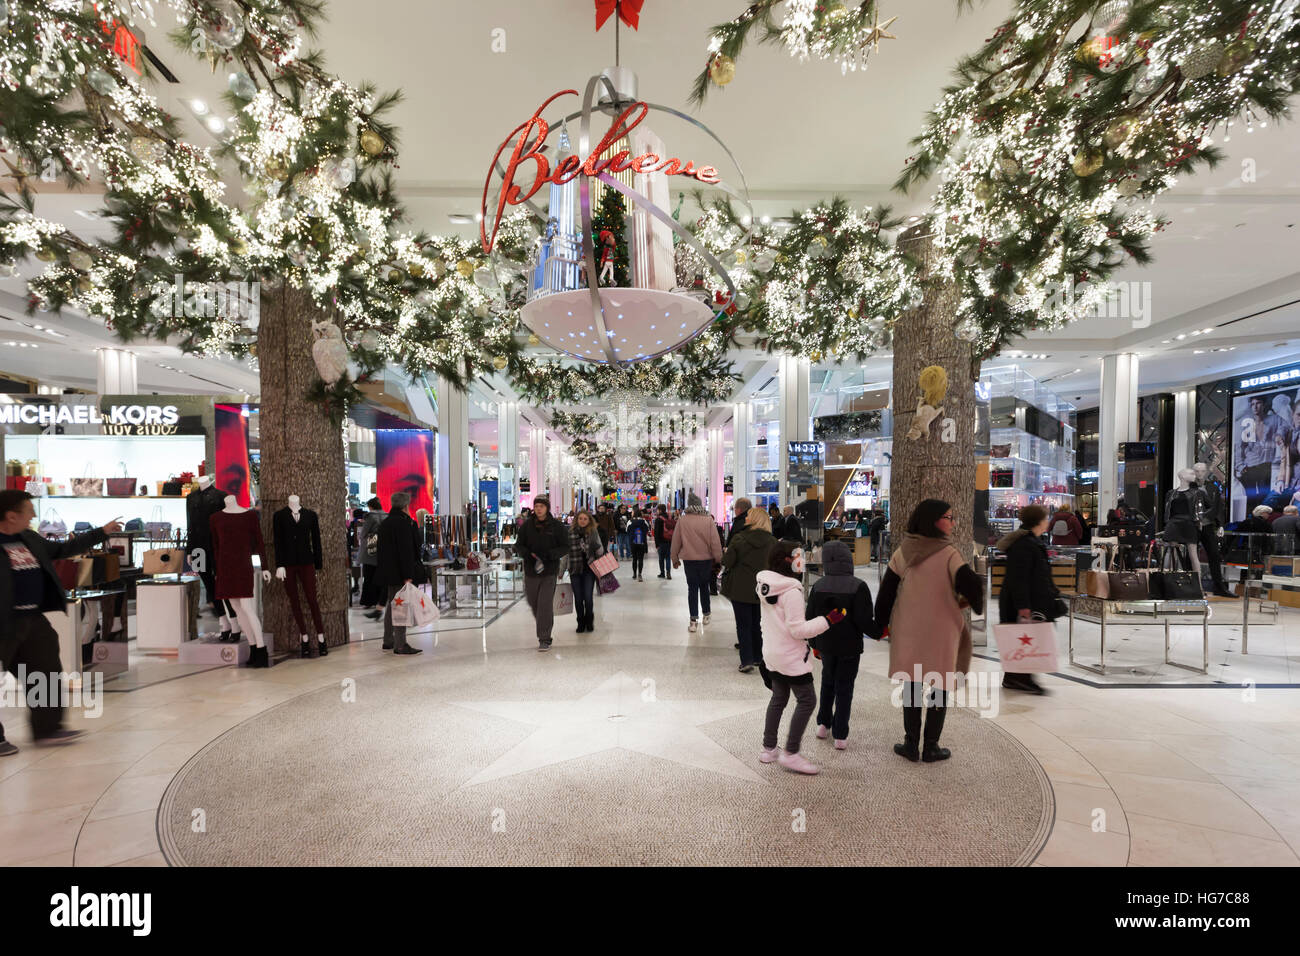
765 452
1031 439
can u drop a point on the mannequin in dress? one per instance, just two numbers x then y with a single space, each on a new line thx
1211 521
1184 509
236 537
298 556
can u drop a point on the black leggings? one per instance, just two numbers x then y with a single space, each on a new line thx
915 697
638 562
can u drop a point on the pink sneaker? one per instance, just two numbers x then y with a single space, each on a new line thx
823 732
769 756
841 745
796 763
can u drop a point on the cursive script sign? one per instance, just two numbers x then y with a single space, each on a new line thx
529 140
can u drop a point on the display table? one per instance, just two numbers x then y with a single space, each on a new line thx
512 566
166 612
1138 613
77 628
476 580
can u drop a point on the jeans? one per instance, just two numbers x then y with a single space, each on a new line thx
624 549
749 632
638 562
666 560
838 673
540 592
583 583
394 637
698 574
805 702
33 645
916 696
1256 482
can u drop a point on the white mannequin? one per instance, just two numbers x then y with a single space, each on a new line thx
205 481
1185 478
245 607
295 508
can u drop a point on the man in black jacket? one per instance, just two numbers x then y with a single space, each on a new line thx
738 523
400 564
840 647
541 544
29 587
1027 586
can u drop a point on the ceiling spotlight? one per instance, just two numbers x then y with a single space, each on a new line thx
1206 331
216 124
199 107
766 220
460 219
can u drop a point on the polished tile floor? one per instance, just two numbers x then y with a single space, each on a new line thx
1141 776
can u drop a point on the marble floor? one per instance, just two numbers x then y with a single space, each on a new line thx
1141 775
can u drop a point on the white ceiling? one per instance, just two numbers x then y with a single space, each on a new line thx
801 132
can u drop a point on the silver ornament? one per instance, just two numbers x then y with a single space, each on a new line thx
227 30
481 310
967 330
241 86
1128 188
742 301
342 172
1201 61
1112 15
101 82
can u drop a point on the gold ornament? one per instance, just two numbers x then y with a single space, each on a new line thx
395 275
1086 162
466 268
741 257
984 191
1118 133
1235 56
277 169
416 269
722 69
533 339
500 362
46 254
371 142
320 234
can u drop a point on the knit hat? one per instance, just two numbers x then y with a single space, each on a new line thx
542 500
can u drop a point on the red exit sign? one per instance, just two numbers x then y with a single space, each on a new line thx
126 45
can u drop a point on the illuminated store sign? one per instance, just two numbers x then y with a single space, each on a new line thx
115 420
1271 378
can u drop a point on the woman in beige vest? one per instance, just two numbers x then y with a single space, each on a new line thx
920 604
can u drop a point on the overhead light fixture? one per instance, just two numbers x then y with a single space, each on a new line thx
216 124
199 107
61 335
460 219
766 220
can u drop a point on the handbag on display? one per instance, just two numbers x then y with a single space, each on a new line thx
607 583
52 525
87 487
170 489
134 525
473 562
164 561
100 568
1178 586
121 487
1000 451
155 526
1127 586
34 488
68 571
81 527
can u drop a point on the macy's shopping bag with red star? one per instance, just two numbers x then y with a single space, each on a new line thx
413 608
1027 648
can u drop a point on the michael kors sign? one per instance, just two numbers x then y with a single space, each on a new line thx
114 420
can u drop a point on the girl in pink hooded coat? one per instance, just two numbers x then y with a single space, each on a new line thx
786 654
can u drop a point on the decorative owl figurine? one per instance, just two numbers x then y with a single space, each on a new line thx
329 352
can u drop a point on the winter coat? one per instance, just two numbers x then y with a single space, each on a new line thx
1028 580
786 631
1074 530
547 540
696 538
632 527
584 548
369 527
928 635
744 558
737 526
839 588
399 551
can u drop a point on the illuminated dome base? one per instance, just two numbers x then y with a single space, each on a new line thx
636 324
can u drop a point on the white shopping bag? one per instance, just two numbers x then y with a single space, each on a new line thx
1027 648
423 609
403 605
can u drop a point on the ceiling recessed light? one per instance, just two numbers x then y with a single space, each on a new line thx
766 220
199 107
216 124
460 219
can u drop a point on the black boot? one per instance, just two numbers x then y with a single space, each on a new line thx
934 718
591 621
324 648
260 657
1022 682
305 651
908 749
911 727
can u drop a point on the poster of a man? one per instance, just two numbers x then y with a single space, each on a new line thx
1264 434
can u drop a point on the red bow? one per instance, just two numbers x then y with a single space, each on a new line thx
629 11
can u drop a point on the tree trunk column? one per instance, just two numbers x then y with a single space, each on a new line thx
929 467
302 454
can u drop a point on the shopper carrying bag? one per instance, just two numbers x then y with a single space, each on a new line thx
1028 595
